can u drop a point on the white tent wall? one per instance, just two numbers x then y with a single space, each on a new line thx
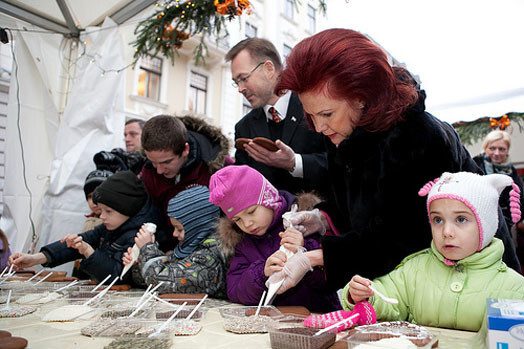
93 120
32 121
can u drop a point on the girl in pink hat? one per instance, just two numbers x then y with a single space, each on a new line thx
252 232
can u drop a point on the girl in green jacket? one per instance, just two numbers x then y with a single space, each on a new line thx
447 284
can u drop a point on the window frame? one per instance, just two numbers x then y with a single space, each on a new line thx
194 92
149 72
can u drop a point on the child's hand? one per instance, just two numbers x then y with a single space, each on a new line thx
274 263
292 239
83 247
70 239
127 257
24 260
143 237
358 288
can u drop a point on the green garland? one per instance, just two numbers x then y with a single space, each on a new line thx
474 131
176 21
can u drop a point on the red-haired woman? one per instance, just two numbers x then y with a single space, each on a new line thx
382 148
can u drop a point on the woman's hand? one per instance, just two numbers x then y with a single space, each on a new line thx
296 267
307 222
274 263
316 257
143 237
358 288
25 260
292 239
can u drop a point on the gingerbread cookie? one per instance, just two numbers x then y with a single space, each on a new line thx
4 334
239 143
13 343
261 141
265 143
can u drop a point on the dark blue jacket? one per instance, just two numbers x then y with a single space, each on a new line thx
109 246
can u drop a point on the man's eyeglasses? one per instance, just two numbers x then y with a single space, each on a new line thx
235 83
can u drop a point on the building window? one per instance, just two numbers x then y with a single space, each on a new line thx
149 76
311 18
289 8
251 31
197 93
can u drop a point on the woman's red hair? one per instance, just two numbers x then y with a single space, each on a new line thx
349 65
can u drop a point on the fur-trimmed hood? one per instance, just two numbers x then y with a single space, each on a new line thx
217 154
230 234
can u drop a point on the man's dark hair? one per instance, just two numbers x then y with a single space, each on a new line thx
164 132
259 49
140 122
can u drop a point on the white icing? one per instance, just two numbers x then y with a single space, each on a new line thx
391 343
69 313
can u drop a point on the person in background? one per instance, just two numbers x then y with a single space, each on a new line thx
495 159
447 284
132 134
382 146
196 264
300 164
124 206
253 229
93 180
180 152
5 251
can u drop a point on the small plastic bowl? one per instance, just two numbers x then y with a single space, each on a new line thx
386 334
164 311
160 341
294 335
243 319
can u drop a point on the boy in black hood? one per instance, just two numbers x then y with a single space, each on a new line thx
125 206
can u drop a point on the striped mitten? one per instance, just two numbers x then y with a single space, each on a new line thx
325 320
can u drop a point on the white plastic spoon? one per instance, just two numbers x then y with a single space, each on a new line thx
384 298
42 279
165 324
3 272
196 308
34 276
67 286
260 303
6 307
100 284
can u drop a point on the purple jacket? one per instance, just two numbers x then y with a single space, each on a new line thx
4 256
246 279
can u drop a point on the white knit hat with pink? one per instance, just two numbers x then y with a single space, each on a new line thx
480 194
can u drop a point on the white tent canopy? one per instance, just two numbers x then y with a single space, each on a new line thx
61 110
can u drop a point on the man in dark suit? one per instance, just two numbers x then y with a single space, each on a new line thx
300 164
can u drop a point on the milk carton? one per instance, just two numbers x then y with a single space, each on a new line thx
505 323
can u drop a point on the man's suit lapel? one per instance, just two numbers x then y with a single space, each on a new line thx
294 117
259 126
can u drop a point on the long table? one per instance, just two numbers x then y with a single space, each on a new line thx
67 335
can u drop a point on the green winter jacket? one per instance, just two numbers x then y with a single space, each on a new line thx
432 293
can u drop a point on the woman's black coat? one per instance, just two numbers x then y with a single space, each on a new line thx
375 178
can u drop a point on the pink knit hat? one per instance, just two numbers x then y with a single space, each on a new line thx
235 188
480 194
